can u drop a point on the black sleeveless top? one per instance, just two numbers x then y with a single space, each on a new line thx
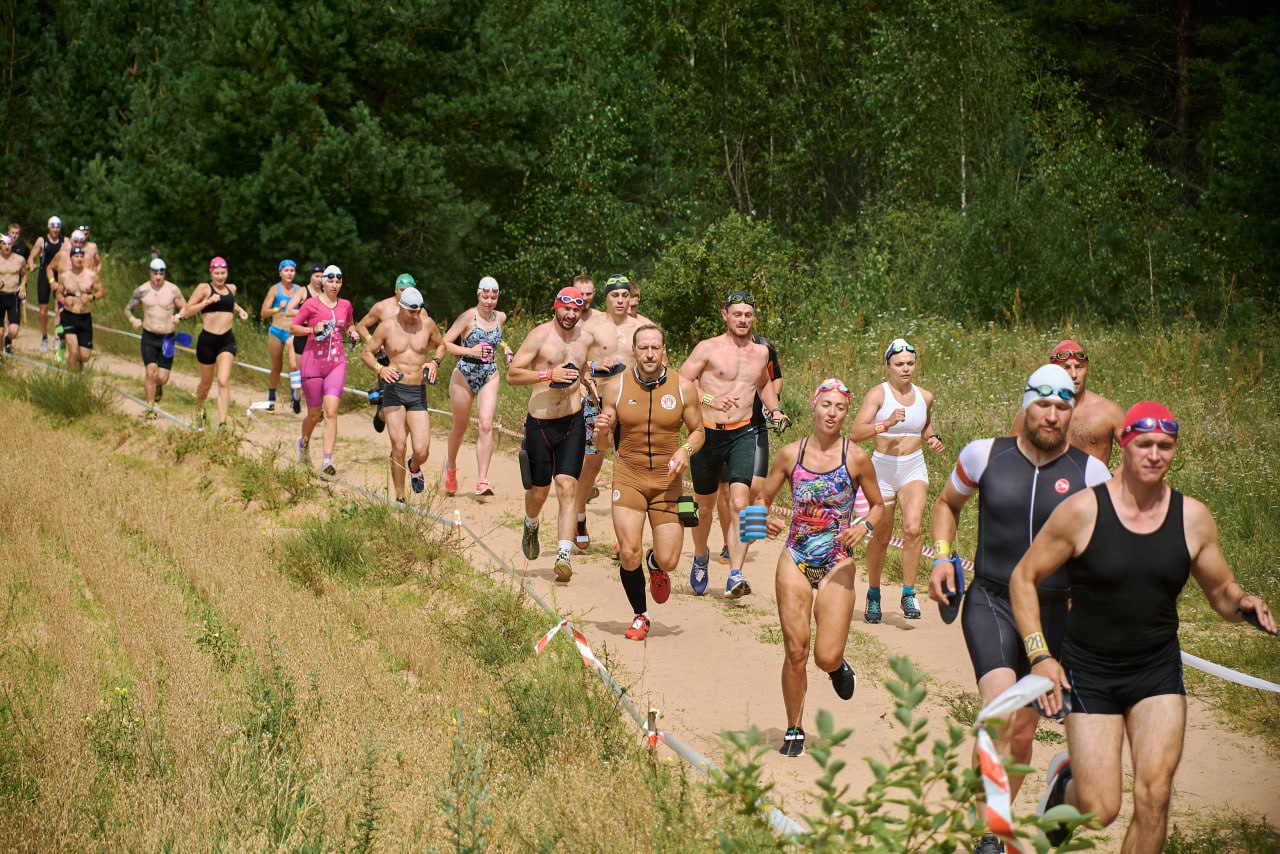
226 302
49 253
1124 593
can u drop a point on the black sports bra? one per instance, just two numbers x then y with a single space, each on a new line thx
226 302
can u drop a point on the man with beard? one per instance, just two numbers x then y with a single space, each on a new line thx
648 410
730 370
1019 480
1097 421
555 435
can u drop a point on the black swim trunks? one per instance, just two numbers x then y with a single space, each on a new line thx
412 397
732 452
1117 693
555 446
10 309
991 632
79 325
153 351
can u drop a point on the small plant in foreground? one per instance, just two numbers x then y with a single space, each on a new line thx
465 796
922 800
66 397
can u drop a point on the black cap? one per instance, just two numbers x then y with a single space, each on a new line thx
317 268
77 250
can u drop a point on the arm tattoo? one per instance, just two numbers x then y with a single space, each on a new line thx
133 302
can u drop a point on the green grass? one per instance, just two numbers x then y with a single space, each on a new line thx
63 397
1225 833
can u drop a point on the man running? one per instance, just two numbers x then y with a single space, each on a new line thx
609 353
1126 548
15 236
79 240
77 289
13 291
730 370
648 408
555 435
161 300
406 340
1097 421
382 311
1019 480
43 252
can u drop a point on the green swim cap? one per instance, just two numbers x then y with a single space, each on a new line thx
404 280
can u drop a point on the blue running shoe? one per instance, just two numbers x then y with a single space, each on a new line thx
736 587
724 554
698 576
416 478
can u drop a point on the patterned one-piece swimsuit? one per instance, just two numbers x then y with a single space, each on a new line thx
822 507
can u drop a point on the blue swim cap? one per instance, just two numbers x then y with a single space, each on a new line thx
288 262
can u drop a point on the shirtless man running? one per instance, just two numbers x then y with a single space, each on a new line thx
609 353
161 300
407 339
79 239
730 370
1097 421
388 309
555 435
77 289
13 291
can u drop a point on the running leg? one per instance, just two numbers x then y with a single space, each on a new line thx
1156 728
149 382
1095 744
486 407
795 604
460 399
419 424
275 350
396 420
224 363
833 612
912 498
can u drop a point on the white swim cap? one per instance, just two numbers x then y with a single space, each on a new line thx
1049 381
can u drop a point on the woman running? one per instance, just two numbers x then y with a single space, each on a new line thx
279 306
899 416
475 339
325 320
215 302
816 571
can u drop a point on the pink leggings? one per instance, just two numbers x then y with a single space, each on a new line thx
320 381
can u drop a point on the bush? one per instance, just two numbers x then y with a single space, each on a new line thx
65 397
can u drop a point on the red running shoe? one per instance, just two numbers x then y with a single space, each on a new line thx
659 581
639 628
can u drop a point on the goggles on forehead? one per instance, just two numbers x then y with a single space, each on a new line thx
333 276
897 347
564 299
1152 425
831 385
740 298
1067 355
1067 394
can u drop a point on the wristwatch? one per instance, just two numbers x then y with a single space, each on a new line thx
868 526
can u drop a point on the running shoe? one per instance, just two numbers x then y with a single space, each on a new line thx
639 628
736 586
659 581
724 553
303 447
271 406
450 481
792 742
564 569
1057 775
595 493
483 488
297 407
329 469
910 609
529 543
60 354
159 393
378 424
8 345
989 844
44 346
698 576
872 613
583 539
416 477
844 681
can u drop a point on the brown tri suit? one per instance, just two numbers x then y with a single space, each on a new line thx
649 419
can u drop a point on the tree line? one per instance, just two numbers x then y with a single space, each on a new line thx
988 159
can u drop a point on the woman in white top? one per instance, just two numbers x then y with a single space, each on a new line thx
898 415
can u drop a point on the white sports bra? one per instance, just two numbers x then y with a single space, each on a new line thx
917 413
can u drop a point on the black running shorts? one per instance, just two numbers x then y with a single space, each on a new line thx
10 309
1116 694
153 351
555 446
211 345
44 291
79 325
412 397
991 633
732 452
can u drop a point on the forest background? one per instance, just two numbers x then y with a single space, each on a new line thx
990 160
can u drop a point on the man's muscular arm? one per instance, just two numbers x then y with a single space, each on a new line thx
134 301
520 372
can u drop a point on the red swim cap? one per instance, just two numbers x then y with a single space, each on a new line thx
1068 349
1147 416
569 296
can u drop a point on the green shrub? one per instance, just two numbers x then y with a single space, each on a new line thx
65 397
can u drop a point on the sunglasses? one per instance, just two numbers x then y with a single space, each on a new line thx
1068 355
567 300
1150 425
1066 394
739 298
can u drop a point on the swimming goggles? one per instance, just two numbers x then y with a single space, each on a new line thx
831 384
333 277
1151 425
740 298
1067 355
1066 394
897 346
568 300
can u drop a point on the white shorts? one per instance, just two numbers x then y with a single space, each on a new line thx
893 473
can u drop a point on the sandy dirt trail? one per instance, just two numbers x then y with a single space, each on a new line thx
712 665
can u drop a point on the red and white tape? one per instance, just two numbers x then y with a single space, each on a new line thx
584 648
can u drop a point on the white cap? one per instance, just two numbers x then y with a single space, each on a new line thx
78 235
53 220
333 270
411 298
6 239
157 265
488 283
1057 379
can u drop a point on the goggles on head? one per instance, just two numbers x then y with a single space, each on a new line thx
1067 394
831 384
1065 356
897 346
565 299
1152 425
740 298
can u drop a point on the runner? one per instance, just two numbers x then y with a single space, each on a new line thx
1097 421
762 447
92 257
899 415
92 260
13 290
475 338
215 301
1019 480
162 304
816 574
587 287
647 410
43 251
384 310
609 353
326 320
279 307
405 339
730 370
15 235
555 434
1127 548
76 290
